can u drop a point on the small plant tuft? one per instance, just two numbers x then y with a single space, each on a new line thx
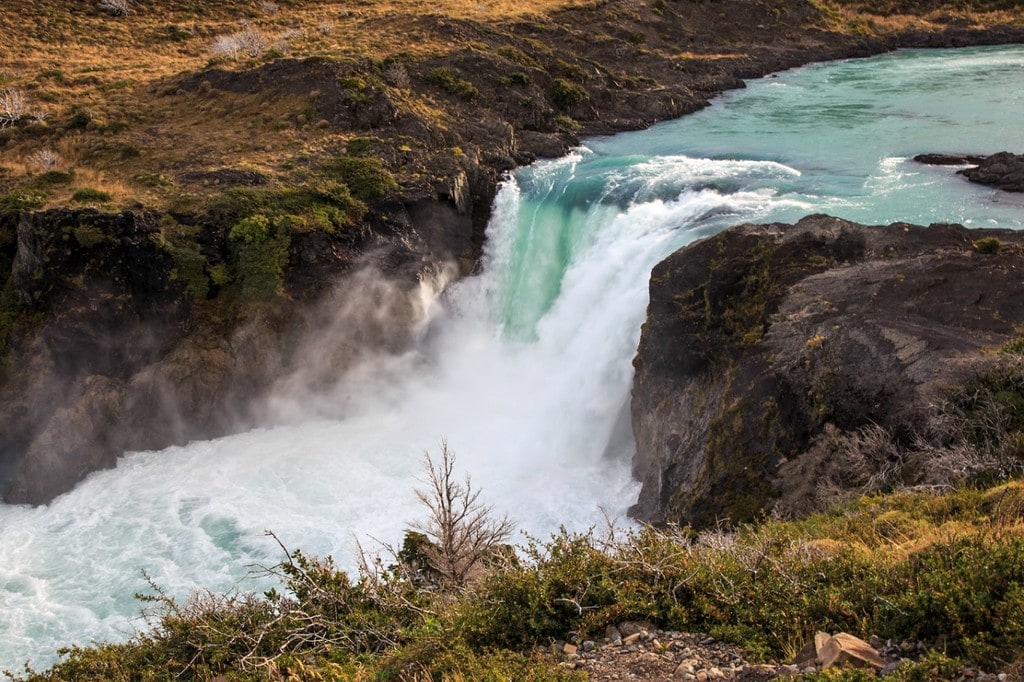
989 245
443 78
90 195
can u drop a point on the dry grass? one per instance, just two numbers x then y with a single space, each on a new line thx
114 74
75 58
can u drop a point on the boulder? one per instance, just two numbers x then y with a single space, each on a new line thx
839 650
1004 171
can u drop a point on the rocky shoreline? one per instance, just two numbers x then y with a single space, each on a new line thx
510 93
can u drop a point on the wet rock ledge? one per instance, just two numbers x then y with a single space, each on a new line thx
772 353
1004 170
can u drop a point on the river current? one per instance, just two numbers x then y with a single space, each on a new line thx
526 368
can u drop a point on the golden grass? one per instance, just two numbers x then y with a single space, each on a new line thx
72 57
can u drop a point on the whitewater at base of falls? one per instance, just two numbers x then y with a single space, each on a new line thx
525 369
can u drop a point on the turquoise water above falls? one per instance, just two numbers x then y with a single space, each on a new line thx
526 368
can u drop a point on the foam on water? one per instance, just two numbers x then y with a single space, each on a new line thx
525 369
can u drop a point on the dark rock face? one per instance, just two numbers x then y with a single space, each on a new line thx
112 358
1003 170
762 338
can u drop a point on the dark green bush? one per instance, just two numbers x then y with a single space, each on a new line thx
53 178
989 245
969 591
322 203
567 94
443 78
190 265
259 253
366 177
88 195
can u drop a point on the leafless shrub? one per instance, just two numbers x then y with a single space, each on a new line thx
117 8
249 42
13 106
717 539
252 41
269 7
837 466
396 75
227 46
44 159
976 430
325 28
463 531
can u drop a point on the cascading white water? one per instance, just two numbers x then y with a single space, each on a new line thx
525 370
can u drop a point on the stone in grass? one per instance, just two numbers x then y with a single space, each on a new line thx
841 649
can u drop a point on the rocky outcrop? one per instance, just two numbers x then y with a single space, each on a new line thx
1003 170
763 340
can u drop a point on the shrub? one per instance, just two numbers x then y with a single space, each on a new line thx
13 106
53 177
464 532
989 245
366 177
324 203
23 200
89 236
443 78
259 253
969 591
190 265
249 42
44 159
567 94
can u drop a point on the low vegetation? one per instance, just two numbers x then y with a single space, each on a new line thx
455 603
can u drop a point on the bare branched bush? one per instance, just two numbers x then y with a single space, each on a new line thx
270 7
464 532
45 159
227 46
249 42
974 432
13 106
396 75
252 41
837 466
117 8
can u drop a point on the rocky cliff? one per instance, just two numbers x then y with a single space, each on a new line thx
780 364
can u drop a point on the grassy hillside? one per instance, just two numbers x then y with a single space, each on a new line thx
106 105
